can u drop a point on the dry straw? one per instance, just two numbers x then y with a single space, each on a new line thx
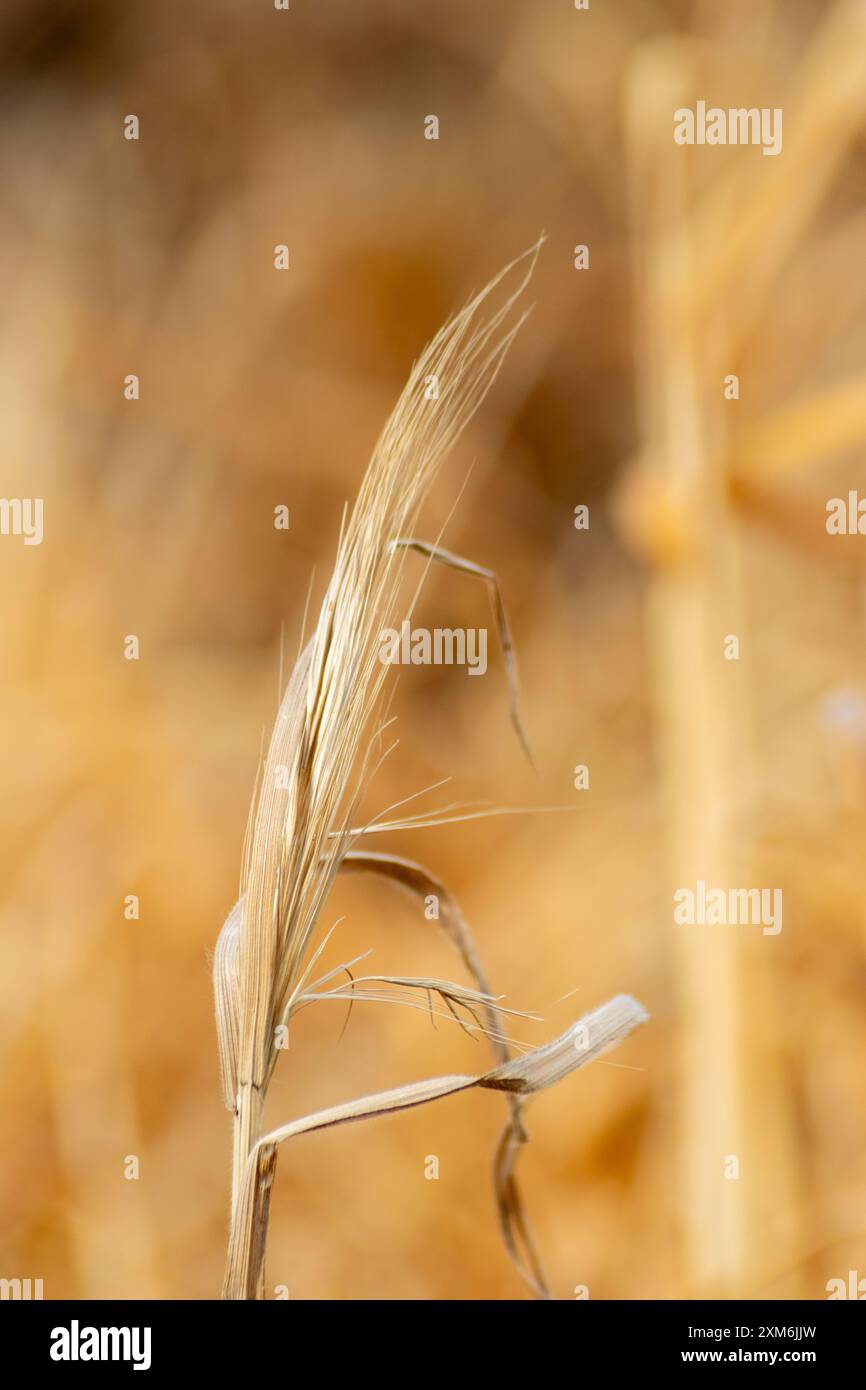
302 829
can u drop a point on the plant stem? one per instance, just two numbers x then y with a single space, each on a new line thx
245 1259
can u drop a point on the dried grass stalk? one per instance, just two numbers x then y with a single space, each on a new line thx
300 831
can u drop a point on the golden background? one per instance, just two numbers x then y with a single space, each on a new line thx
261 387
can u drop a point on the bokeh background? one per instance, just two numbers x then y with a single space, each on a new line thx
707 515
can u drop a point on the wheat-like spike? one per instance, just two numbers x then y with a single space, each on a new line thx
338 679
301 821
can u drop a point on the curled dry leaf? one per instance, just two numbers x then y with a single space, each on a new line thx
587 1039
